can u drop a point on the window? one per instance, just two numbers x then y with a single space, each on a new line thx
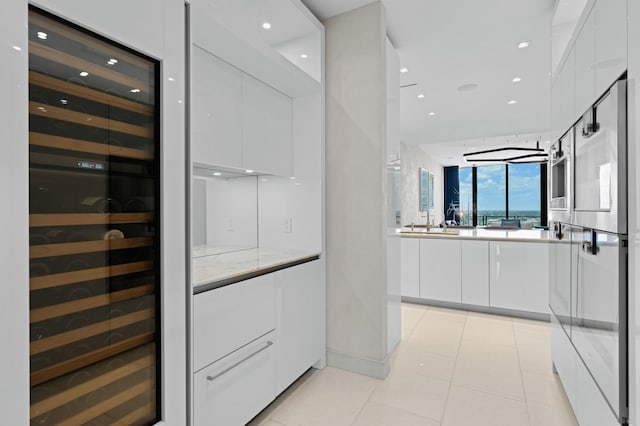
524 193
513 191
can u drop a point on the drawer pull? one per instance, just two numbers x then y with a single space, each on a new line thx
226 370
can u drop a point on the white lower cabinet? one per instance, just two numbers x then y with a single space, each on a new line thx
226 318
589 405
253 339
298 322
475 272
519 276
234 389
440 270
410 267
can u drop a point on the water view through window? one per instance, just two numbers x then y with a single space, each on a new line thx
503 192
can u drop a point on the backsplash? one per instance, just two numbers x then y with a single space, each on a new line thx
412 158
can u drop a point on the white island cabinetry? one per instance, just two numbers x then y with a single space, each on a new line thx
475 272
504 272
519 276
440 270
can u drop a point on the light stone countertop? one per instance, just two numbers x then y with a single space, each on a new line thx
519 235
210 269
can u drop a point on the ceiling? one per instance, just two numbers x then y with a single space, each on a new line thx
448 44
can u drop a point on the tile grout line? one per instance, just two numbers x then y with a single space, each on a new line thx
446 402
524 390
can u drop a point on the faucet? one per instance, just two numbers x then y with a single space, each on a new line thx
428 225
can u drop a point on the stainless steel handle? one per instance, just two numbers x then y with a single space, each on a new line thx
226 370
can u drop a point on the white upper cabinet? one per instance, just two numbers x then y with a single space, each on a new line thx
216 111
267 126
585 80
569 114
610 42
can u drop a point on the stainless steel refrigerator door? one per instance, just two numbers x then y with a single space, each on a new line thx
600 184
560 275
599 324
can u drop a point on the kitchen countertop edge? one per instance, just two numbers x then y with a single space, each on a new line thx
203 287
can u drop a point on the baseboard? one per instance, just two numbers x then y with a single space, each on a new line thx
483 309
367 367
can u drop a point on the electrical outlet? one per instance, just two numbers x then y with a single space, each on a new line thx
288 225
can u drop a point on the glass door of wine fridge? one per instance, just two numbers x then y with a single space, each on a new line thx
94 234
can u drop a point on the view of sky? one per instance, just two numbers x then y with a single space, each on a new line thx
524 187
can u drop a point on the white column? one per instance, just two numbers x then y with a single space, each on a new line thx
356 98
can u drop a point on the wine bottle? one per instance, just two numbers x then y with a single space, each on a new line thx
102 204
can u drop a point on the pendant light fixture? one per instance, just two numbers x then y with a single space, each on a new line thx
509 154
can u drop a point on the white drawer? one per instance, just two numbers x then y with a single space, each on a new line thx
233 390
229 317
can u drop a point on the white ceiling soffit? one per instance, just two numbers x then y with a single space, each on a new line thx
448 44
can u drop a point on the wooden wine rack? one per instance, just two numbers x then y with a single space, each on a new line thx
94 336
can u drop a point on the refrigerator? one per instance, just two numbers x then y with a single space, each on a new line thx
588 264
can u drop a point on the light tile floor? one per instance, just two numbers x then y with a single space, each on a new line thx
452 368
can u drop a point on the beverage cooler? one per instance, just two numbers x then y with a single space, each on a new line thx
94 228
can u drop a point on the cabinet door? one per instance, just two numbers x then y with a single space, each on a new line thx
216 111
236 388
611 42
569 115
298 322
227 318
440 270
585 61
267 117
475 272
410 267
564 359
519 276
591 407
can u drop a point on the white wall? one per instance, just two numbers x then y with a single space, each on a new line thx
412 158
356 254
231 213
162 38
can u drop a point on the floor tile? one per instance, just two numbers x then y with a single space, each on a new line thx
416 394
468 407
332 397
428 364
545 415
375 414
491 330
543 388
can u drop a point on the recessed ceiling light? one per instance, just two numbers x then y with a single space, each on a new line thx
249 171
135 90
512 101
171 79
84 74
112 61
432 114
298 184
516 79
304 56
404 70
467 87
64 101
264 180
217 174
292 178
18 48
421 96
42 35
523 44
266 25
